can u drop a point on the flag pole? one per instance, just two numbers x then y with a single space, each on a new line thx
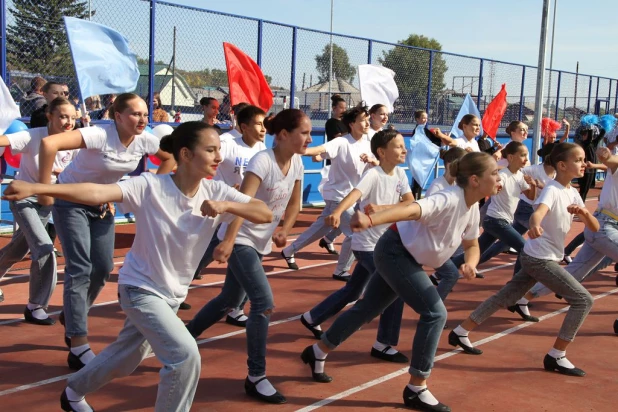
540 83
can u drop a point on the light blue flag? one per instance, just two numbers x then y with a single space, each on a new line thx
103 61
422 156
468 107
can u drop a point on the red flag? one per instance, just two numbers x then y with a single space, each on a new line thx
246 80
494 113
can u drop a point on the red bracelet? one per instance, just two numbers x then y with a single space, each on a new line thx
370 221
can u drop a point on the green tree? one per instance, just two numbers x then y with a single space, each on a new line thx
36 41
342 69
411 69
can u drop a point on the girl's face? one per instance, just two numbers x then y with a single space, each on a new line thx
379 118
360 125
207 155
134 118
298 139
62 119
520 133
211 110
519 159
472 129
575 165
489 182
339 110
255 130
395 151
422 120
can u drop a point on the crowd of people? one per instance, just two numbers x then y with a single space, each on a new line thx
193 211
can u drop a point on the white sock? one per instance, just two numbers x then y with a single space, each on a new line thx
380 346
463 336
77 401
523 305
37 311
319 354
560 356
307 316
238 314
264 387
87 356
426 396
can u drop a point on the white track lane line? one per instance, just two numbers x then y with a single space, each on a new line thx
404 371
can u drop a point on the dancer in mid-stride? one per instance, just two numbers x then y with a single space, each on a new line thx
380 188
176 216
274 176
427 233
549 224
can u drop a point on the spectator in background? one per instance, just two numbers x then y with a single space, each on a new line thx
158 114
107 100
93 103
65 90
235 132
34 99
51 90
210 106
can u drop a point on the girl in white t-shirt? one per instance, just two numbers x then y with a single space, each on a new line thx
87 232
350 155
380 188
176 215
427 233
31 217
471 127
498 221
549 224
378 117
236 154
518 131
447 179
274 176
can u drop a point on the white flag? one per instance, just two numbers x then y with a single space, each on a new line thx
468 107
8 109
377 86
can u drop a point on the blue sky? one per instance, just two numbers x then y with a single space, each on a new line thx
496 29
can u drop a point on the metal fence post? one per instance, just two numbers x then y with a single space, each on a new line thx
293 81
429 82
3 43
521 95
478 98
616 100
259 42
589 93
558 95
151 60
369 51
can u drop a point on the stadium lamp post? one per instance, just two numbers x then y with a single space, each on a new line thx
330 61
540 84
551 61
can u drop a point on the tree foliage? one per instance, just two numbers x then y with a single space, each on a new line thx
342 69
36 41
411 68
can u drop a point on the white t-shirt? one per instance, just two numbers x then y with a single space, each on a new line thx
609 194
171 235
236 155
465 143
105 160
537 172
275 190
611 138
445 221
27 143
371 133
504 204
503 162
378 188
346 168
437 185
231 135
557 222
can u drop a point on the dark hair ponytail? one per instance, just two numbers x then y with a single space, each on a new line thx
186 135
288 119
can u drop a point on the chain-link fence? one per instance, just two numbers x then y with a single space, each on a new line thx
188 62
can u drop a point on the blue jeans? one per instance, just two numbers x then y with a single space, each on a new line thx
390 320
592 256
88 245
31 235
397 274
521 224
497 229
448 274
151 324
244 274
207 260
319 229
